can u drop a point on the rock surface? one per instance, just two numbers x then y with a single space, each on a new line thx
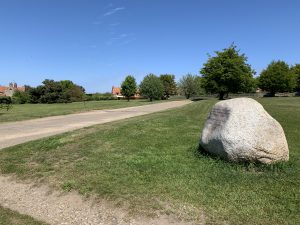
241 130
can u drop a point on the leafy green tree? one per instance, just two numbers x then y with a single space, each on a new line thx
128 87
227 72
151 87
168 81
56 92
277 77
296 71
188 85
21 97
199 89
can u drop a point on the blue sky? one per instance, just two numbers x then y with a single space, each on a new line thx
96 43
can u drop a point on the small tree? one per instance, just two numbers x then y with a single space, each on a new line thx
168 81
277 77
151 87
296 71
128 87
188 85
226 72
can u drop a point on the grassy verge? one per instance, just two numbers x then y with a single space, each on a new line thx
33 111
9 217
151 164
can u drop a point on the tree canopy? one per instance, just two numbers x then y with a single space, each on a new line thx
227 72
169 84
151 87
277 77
128 87
188 85
296 71
51 92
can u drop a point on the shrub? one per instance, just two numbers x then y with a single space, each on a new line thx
5 103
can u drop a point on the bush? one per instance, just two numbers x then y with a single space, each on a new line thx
100 97
20 97
5 103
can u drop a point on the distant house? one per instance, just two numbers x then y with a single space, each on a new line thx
10 90
116 92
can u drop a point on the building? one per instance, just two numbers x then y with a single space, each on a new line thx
116 92
10 90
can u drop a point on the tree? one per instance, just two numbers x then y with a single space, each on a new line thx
296 71
227 72
277 77
168 81
188 85
151 87
21 97
56 92
128 87
199 89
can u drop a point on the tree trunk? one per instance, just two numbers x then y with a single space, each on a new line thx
128 98
150 99
221 95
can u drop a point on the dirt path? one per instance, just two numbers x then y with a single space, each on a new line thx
14 133
56 208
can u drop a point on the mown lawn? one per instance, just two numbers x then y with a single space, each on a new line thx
33 111
151 164
9 217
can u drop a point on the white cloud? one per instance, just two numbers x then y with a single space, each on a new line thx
113 11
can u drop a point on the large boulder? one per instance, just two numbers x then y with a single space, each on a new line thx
241 130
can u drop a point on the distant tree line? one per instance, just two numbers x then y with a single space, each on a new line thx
152 87
51 91
226 72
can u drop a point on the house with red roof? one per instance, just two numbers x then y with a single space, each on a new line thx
116 92
10 89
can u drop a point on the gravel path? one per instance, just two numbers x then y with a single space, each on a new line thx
56 208
14 133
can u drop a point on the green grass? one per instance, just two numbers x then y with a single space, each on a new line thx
150 164
9 217
33 111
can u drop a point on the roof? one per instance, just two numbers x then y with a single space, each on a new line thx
116 90
3 88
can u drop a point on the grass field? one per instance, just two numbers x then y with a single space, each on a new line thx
9 217
151 164
33 111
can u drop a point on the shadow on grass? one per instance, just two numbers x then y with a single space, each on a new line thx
279 167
